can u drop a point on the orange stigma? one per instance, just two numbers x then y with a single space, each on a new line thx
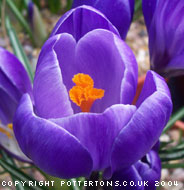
83 94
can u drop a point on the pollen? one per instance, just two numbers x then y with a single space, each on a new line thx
10 126
6 131
83 80
84 94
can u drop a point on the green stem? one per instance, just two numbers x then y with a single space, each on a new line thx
178 115
26 167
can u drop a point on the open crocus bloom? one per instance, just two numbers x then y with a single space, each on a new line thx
165 25
119 12
14 82
98 74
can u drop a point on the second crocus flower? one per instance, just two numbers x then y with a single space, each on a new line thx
165 24
14 82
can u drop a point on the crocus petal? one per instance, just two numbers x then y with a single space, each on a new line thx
50 94
148 7
48 145
7 107
82 20
175 66
119 12
126 178
153 83
7 86
150 171
156 147
97 132
96 54
166 37
14 81
14 70
146 125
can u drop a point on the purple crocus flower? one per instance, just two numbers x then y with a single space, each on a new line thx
119 12
165 24
82 119
14 82
143 175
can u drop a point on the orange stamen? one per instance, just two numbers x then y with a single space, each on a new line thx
6 132
83 94
83 80
10 126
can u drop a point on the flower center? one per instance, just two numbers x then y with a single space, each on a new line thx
83 94
7 131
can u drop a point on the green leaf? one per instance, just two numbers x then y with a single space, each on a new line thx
177 116
20 17
38 27
11 161
69 4
138 9
138 5
19 175
17 48
37 2
25 2
172 155
169 166
177 148
164 144
54 5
